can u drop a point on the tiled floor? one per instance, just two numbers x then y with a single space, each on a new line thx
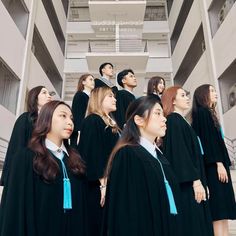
232 224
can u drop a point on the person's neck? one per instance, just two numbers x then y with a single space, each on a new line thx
55 140
129 89
147 136
87 90
179 111
39 108
106 77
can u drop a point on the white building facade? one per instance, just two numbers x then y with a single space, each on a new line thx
53 42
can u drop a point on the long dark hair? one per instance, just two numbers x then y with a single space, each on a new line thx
80 86
153 84
131 134
201 98
44 164
32 102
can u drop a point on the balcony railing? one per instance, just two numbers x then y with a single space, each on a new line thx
118 45
231 147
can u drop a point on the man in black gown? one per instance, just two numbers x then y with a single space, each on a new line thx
126 79
106 72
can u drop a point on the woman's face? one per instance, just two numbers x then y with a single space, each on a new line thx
43 97
212 95
62 124
89 83
181 102
109 103
160 87
156 125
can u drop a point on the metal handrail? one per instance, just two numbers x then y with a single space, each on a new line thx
117 45
231 150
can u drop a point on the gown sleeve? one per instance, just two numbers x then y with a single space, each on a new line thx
16 214
124 193
123 100
19 139
177 148
211 139
95 146
79 107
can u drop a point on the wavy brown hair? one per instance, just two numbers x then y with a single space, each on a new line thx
168 98
32 102
201 98
131 134
44 164
95 107
153 84
80 86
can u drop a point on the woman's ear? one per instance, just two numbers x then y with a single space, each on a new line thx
139 121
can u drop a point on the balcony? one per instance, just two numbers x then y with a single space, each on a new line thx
120 12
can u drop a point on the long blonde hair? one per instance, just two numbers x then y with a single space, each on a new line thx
95 107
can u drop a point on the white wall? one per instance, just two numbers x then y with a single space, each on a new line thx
199 76
224 42
77 49
44 26
28 3
79 27
189 30
208 3
60 15
158 49
76 66
38 77
11 41
159 65
174 13
155 27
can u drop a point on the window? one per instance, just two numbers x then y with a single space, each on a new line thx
9 87
45 60
19 13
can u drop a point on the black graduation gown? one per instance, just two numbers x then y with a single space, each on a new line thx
79 106
182 149
222 200
20 137
95 145
99 83
32 207
123 99
136 199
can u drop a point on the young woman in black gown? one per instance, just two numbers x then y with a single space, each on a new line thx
216 158
22 131
99 134
156 86
183 150
80 103
46 192
138 202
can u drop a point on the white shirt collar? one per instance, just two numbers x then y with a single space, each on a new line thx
128 91
150 147
57 151
107 82
86 92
